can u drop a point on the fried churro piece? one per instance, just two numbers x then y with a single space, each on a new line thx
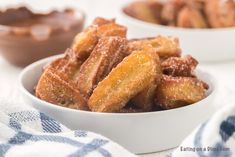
220 13
190 17
106 55
68 65
53 88
139 44
111 29
174 92
144 10
136 45
165 47
99 21
85 42
130 77
145 99
56 85
176 66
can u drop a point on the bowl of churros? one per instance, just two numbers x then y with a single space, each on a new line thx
206 28
141 93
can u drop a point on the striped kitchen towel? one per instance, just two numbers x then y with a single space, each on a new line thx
25 132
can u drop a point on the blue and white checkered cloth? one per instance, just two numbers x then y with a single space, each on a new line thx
25 132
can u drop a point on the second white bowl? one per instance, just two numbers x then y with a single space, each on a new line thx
204 44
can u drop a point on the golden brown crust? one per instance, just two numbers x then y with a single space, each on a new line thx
138 44
145 99
106 55
54 89
165 47
111 29
99 21
85 42
129 78
174 92
176 66
57 83
68 65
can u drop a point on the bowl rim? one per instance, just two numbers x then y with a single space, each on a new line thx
78 13
155 26
213 92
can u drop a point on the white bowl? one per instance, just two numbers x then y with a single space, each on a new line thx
138 132
204 44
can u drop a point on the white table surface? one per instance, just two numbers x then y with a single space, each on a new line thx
224 71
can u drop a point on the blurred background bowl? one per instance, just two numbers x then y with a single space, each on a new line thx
206 45
22 45
138 132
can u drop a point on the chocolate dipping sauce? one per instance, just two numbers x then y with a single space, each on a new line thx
26 36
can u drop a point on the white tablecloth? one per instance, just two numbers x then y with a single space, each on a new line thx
223 71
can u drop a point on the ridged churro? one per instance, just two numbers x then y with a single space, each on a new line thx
176 66
130 77
106 55
165 47
174 92
57 86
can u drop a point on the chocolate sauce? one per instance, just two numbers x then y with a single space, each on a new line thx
26 36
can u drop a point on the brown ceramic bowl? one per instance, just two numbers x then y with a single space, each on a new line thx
26 36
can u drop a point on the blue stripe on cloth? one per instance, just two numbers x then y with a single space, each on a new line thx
25 116
227 128
83 149
14 125
20 138
55 138
104 152
49 124
80 133
90 147
3 149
